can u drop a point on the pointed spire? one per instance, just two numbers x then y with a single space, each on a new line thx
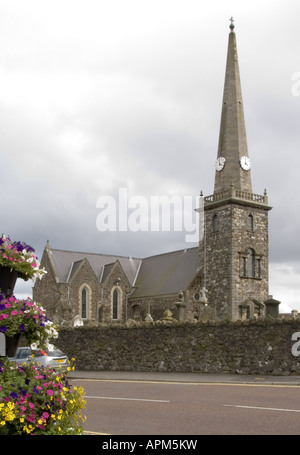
232 138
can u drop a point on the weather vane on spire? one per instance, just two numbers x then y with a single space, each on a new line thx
231 26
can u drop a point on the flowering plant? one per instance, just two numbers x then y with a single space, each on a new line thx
27 318
37 400
20 257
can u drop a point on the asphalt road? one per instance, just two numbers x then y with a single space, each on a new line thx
174 404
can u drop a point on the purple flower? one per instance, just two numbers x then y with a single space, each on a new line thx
21 327
35 389
13 395
20 246
3 329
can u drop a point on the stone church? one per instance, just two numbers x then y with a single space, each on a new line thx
225 277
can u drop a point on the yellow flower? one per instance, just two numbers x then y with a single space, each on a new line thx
28 429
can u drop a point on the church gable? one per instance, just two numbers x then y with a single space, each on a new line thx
46 291
115 287
83 291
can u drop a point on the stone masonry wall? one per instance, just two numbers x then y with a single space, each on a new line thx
260 347
226 242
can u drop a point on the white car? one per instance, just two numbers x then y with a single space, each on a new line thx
53 359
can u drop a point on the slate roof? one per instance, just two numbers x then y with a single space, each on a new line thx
65 262
162 274
167 273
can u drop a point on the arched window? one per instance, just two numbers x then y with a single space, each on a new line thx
250 222
84 303
250 270
215 223
115 305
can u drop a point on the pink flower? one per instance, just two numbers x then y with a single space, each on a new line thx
7 305
50 392
31 405
14 313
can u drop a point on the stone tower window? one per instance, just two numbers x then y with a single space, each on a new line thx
250 222
250 264
250 268
215 223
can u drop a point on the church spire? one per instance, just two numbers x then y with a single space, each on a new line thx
233 165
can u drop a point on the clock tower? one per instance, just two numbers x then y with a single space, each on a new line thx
234 248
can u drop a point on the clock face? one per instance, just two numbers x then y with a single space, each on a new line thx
245 163
220 163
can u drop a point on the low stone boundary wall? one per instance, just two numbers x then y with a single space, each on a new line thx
260 347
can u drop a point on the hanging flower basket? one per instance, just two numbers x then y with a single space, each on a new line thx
28 318
8 278
12 344
20 258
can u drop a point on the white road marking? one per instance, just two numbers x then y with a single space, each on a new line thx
128 399
261 408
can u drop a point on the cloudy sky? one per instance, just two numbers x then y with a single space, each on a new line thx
98 96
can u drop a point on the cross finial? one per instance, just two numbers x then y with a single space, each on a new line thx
231 26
